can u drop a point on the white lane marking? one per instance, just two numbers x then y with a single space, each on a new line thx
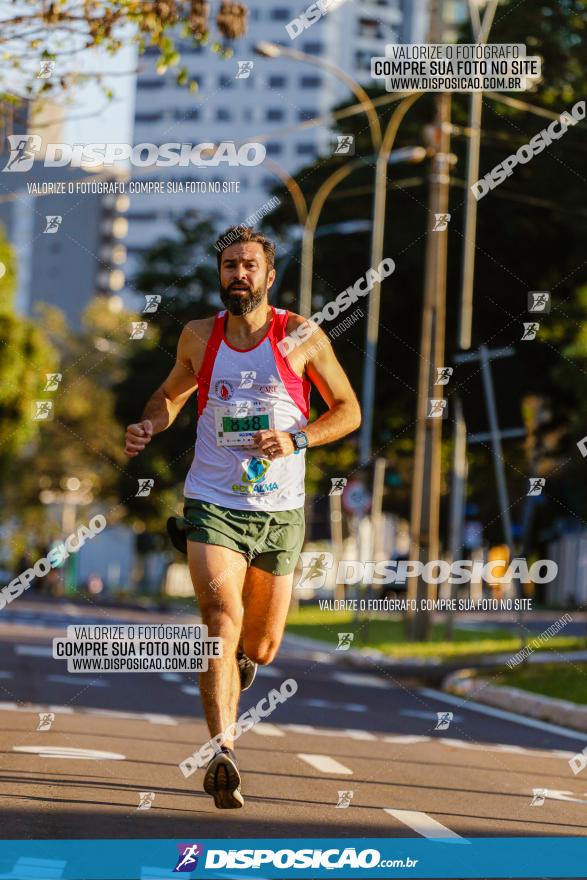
331 704
167 720
190 689
266 729
559 795
322 657
407 740
503 714
426 826
151 717
171 676
34 709
320 731
428 716
325 764
359 680
33 651
69 753
78 681
269 672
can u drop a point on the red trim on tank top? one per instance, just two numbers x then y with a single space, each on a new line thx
298 387
205 372
260 342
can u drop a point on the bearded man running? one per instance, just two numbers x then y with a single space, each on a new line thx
243 523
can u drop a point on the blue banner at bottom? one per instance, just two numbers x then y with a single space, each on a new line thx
268 859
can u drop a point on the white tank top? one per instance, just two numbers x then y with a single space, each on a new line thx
241 391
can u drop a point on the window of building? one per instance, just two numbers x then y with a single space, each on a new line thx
274 149
310 82
277 82
306 149
223 114
363 60
141 216
225 82
275 114
189 113
281 13
369 27
307 114
151 83
148 117
314 48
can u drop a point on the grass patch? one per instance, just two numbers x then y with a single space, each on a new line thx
387 634
565 681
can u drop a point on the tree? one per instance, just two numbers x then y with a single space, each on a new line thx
41 33
82 439
26 355
529 234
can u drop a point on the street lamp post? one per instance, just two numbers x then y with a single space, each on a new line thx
377 239
272 50
382 146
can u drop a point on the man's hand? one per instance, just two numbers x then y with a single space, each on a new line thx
274 444
137 437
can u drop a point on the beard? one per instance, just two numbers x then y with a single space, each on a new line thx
242 303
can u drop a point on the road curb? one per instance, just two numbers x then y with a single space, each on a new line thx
465 683
371 660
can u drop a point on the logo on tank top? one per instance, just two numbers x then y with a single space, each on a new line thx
223 389
253 478
268 389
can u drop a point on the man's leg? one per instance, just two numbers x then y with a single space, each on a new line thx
218 574
266 599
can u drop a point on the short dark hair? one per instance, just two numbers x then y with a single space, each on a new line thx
244 234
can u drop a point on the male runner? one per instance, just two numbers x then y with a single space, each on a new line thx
244 493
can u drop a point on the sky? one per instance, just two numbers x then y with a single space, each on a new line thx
93 118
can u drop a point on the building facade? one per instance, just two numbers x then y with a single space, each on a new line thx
266 103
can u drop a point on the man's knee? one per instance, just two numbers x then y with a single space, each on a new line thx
260 651
220 622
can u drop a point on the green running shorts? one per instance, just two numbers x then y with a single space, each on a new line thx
271 540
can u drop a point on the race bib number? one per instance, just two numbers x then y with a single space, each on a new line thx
237 423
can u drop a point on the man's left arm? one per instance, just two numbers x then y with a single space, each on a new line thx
344 413
325 372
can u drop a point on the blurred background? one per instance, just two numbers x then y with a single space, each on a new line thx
355 171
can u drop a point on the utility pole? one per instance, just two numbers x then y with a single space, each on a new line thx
424 526
481 28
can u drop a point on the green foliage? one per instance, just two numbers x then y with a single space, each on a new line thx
529 237
25 356
69 29
83 438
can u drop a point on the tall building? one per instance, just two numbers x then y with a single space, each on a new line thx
267 105
68 248
67 239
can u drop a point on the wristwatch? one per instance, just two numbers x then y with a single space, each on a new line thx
300 440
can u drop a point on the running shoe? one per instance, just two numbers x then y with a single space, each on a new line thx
222 781
247 670
177 535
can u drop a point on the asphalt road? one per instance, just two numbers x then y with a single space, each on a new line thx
343 730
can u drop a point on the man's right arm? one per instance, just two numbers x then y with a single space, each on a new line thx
165 404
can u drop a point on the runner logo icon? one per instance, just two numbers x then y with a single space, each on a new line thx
188 857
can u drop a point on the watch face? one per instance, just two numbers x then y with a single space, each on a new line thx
300 440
